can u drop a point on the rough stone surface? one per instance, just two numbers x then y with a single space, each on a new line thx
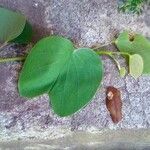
86 22
112 140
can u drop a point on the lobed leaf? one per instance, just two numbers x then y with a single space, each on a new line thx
69 76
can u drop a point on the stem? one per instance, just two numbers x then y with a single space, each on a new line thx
103 45
2 60
112 53
117 63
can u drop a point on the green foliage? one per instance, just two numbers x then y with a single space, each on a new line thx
70 76
13 25
135 44
133 6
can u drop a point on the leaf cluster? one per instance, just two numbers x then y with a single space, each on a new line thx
70 76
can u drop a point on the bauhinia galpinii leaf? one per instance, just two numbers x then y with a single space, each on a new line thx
69 76
14 27
135 44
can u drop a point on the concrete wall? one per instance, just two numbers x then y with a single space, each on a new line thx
86 22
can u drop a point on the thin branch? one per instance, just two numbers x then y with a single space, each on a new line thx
112 53
103 45
116 62
3 60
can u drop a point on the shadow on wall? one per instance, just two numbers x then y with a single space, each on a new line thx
35 12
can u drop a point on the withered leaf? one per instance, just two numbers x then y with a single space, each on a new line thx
114 103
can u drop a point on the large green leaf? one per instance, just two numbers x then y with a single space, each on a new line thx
11 25
136 44
70 76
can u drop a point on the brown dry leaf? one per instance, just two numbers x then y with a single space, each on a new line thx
114 103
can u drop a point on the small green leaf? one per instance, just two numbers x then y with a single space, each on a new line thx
135 65
122 72
26 36
135 44
11 25
69 76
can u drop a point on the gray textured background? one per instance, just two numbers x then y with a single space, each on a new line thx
86 22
